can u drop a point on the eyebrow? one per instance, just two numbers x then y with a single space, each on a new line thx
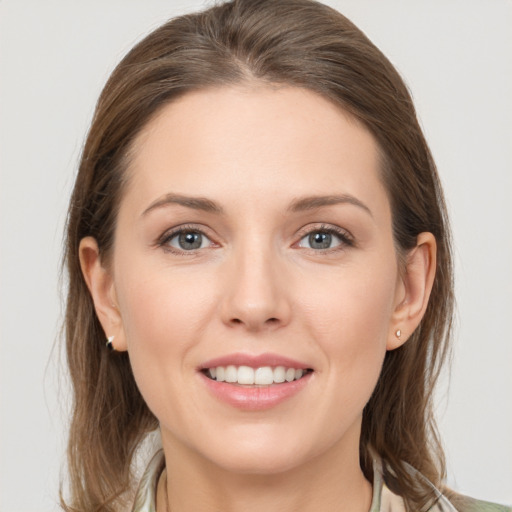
313 202
297 205
195 203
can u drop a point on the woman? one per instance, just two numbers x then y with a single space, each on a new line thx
258 231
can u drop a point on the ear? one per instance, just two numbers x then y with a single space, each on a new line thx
101 287
413 290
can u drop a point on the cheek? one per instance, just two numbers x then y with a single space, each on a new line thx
163 315
351 303
349 319
160 306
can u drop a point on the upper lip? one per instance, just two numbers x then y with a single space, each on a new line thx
254 361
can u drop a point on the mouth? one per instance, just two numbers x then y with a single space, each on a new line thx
255 382
261 376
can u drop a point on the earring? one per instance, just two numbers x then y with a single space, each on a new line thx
109 343
398 333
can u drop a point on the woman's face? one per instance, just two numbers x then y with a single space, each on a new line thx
255 234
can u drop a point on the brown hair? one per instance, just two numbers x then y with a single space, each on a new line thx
295 42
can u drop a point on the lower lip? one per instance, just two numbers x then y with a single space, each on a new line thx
255 398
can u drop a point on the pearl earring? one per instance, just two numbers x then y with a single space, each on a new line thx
398 333
109 343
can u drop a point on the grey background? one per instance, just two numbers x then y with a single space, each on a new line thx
55 55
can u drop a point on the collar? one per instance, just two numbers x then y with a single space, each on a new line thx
383 500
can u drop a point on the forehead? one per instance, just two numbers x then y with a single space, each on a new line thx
233 142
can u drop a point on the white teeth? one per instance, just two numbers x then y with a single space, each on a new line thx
220 370
263 376
245 375
279 374
231 374
290 374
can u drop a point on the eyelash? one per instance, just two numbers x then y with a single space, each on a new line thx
164 240
344 237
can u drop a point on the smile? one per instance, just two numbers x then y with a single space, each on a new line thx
262 376
251 382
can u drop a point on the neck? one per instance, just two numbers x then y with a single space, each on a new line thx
331 482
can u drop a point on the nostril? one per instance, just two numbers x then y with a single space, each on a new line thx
269 321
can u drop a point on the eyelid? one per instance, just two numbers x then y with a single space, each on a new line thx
163 240
345 237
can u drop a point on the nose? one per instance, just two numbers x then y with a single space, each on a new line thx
255 294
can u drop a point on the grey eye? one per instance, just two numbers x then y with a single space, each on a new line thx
320 240
189 241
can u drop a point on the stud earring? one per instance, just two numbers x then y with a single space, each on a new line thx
398 333
109 343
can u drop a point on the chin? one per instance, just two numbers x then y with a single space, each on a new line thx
259 452
258 462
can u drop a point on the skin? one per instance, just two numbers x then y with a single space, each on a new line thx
257 285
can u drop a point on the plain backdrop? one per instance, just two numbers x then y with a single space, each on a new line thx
55 55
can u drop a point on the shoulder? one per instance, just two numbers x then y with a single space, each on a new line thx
447 500
451 501
467 504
